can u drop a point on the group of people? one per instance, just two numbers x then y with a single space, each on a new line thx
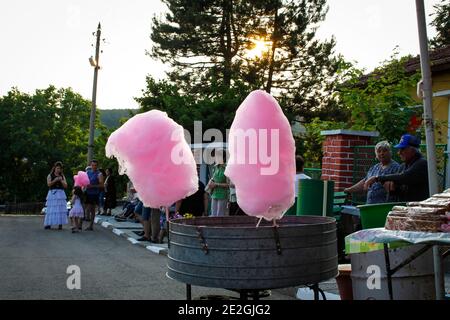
386 181
84 201
154 220
219 189
389 181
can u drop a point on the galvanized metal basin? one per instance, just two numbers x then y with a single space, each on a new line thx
230 252
415 281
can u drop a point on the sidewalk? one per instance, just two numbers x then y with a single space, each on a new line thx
126 230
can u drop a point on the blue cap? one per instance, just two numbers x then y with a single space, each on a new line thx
408 140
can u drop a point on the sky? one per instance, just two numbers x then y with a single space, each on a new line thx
50 41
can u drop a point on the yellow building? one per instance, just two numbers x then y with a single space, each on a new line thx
440 72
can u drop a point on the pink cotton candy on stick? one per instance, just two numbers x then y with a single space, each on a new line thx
81 179
262 168
153 153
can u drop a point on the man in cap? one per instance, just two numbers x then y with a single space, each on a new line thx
412 182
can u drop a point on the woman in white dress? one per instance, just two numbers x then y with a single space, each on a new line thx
56 212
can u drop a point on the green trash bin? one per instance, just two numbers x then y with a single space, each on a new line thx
292 210
374 215
310 198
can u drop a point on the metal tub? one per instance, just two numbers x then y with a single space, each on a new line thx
232 253
415 281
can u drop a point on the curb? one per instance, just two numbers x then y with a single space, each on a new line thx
152 248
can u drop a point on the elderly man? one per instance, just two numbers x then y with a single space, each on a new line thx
412 182
377 193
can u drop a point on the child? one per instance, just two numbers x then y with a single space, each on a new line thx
77 211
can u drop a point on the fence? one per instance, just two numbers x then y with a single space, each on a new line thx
24 208
364 158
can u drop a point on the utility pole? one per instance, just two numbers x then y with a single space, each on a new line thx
95 64
427 98
439 280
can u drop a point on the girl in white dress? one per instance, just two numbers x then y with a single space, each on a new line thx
77 211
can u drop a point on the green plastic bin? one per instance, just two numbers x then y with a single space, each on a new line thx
292 210
374 215
310 198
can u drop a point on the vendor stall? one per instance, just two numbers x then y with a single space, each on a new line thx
371 240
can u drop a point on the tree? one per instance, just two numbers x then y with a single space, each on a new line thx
111 163
311 143
382 98
298 69
206 42
441 22
199 39
39 129
214 112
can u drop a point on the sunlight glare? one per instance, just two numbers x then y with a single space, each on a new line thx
259 49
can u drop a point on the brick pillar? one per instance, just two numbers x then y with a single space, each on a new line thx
337 161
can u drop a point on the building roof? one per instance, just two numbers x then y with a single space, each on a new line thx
439 60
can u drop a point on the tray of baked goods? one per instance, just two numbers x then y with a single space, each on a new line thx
430 215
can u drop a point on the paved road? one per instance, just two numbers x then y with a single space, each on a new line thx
33 264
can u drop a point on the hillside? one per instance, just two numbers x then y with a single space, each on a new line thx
111 118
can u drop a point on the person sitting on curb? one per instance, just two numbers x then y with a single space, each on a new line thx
151 228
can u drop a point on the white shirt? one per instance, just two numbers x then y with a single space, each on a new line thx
298 177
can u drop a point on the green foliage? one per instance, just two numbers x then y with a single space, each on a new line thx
381 99
214 112
111 163
38 130
205 43
441 22
200 39
113 118
309 146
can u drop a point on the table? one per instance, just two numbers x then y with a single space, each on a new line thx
351 210
381 239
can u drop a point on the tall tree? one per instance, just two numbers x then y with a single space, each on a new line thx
207 44
37 130
214 111
441 22
300 69
199 39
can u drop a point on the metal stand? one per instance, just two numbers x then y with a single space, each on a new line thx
188 292
246 294
317 291
243 294
438 274
439 279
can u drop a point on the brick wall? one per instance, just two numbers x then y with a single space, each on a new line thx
337 161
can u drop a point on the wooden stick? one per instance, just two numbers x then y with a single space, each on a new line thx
260 219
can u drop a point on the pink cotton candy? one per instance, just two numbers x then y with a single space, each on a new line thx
263 170
445 227
153 153
81 179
